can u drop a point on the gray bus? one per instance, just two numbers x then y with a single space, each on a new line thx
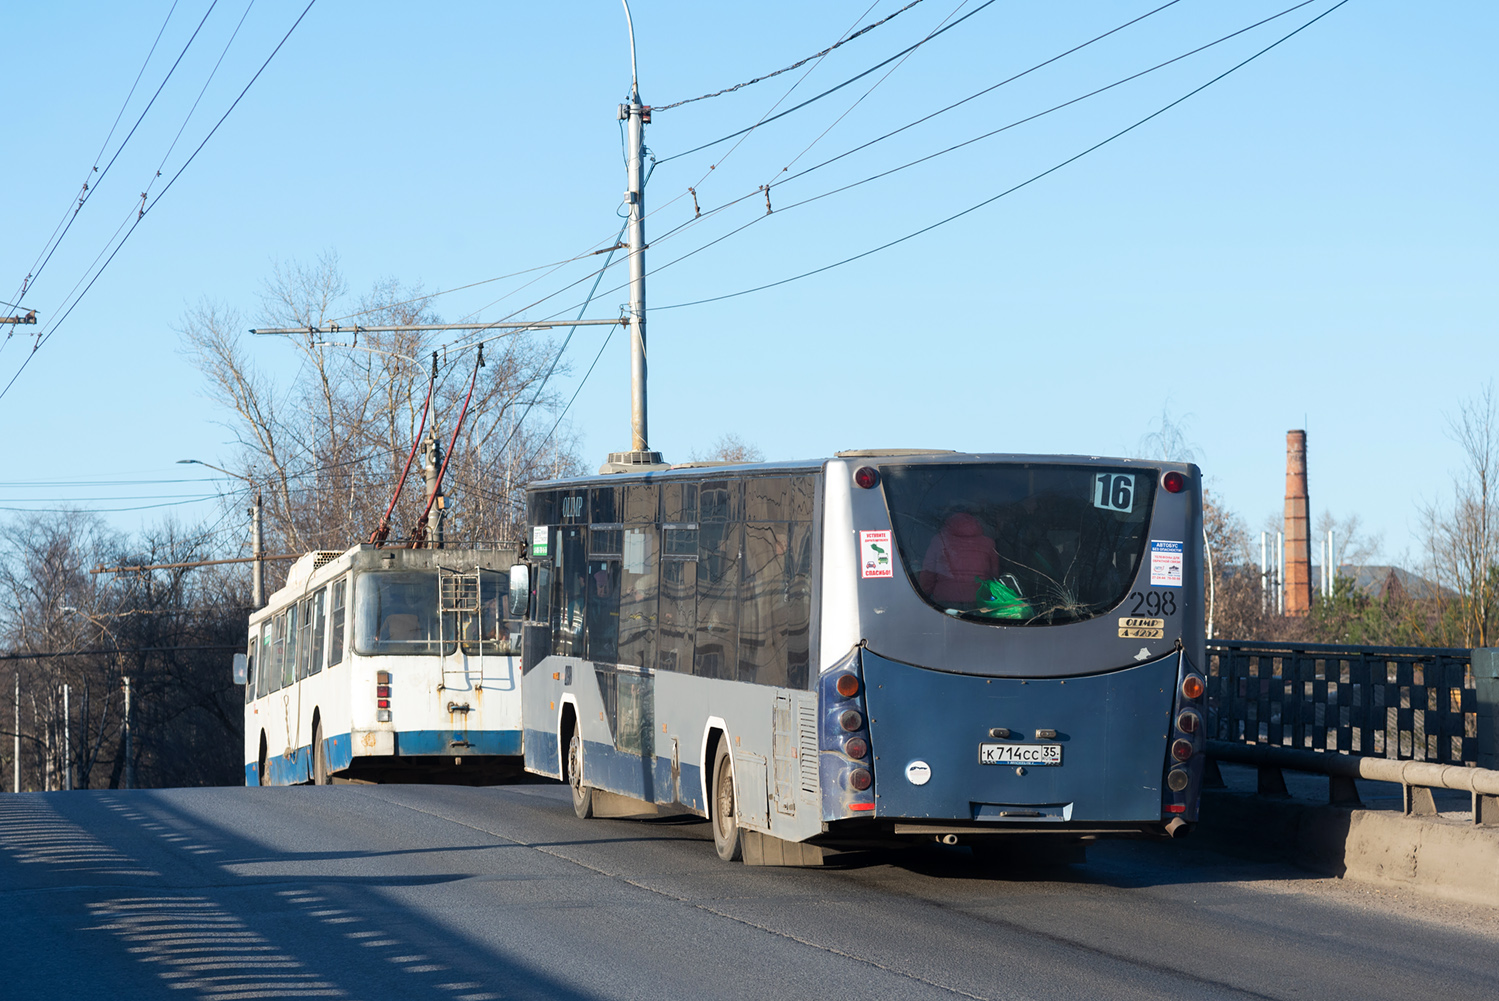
883 646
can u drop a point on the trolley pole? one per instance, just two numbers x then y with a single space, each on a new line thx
129 750
636 116
257 578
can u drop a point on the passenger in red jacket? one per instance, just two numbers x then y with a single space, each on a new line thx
959 556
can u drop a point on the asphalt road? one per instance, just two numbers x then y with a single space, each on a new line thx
466 894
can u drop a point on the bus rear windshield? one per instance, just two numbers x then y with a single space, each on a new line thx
1020 544
396 613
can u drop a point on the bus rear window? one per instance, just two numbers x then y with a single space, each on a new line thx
1020 544
395 612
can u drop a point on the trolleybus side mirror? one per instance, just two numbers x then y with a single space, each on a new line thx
241 668
520 589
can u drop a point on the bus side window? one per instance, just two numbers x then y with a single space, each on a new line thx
289 648
263 676
319 631
278 651
250 665
716 652
336 638
571 593
676 629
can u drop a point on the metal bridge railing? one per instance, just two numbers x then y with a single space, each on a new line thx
1416 703
1420 716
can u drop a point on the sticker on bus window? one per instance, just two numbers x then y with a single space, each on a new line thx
539 541
1114 492
1165 563
874 554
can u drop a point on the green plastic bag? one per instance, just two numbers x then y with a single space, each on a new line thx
1000 600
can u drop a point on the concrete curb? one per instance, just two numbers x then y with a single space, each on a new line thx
1450 859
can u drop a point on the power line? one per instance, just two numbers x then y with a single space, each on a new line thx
831 90
146 209
1017 187
89 193
796 65
26 283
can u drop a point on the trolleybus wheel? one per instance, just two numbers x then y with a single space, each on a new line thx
582 794
319 757
725 823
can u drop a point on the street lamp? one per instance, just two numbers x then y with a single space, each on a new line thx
257 540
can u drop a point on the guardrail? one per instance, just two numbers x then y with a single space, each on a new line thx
1422 717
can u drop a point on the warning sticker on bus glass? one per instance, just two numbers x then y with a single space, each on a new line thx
874 554
1165 563
1020 754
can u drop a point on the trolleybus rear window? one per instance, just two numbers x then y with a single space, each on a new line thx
395 612
1020 544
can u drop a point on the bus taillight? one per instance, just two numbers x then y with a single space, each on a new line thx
382 696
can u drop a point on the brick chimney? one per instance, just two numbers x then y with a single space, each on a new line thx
1298 583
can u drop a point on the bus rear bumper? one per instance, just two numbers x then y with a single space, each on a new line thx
929 730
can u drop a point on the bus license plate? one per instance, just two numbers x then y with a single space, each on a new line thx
1020 754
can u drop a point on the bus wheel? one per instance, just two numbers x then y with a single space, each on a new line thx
260 774
582 794
319 757
725 823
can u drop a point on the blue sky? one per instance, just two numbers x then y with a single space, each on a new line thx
1308 242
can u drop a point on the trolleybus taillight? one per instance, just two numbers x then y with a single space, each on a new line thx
1192 687
1174 482
860 779
1181 749
1188 721
866 477
847 685
1177 779
382 696
856 748
851 720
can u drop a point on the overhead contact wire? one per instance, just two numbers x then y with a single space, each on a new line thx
1017 187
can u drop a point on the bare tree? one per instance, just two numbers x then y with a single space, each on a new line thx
729 447
1463 539
328 448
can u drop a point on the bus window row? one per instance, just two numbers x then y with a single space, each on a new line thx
720 587
295 642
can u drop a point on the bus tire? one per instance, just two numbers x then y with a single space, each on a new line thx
582 794
260 775
319 757
726 838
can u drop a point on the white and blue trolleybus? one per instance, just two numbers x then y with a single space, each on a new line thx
385 664
884 646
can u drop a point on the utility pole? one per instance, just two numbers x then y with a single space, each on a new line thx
431 466
15 763
636 116
67 743
129 750
257 579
